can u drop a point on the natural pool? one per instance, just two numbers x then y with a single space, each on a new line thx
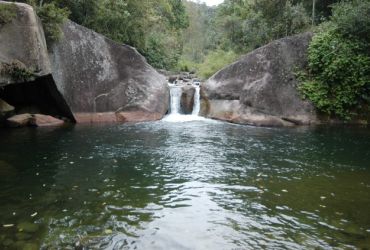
192 185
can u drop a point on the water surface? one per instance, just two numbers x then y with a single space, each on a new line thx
190 185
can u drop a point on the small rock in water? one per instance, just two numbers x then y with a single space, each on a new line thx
8 225
108 231
322 197
284 190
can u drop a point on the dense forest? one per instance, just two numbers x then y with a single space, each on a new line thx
181 35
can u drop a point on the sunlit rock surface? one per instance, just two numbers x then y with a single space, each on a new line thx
261 88
102 80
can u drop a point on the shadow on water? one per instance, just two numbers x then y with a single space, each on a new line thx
191 185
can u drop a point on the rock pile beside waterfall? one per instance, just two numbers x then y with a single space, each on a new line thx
189 83
85 77
261 88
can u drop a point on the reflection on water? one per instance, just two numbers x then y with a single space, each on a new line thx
191 185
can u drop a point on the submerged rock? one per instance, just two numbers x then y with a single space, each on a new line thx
100 78
261 88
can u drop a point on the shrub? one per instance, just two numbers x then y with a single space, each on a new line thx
17 71
52 18
338 82
215 61
338 78
162 51
352 19
7 13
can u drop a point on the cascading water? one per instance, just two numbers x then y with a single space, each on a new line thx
175 106
196 107
175 93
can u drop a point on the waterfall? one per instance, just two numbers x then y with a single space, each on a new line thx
175 94
175 106
196 107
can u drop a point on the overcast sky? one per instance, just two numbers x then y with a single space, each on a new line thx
210 2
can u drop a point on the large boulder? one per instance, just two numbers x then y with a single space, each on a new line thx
22 45
261 88
103 81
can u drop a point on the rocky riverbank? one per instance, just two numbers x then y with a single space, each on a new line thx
84 78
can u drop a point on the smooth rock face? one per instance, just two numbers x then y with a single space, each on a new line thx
187 99
97 76
23 40
260 88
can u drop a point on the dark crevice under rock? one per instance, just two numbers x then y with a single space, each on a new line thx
39 96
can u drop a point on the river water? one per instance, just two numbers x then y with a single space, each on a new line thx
185 185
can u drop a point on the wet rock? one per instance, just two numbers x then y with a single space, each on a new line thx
38 120
187 99
172 79
18 121
260 89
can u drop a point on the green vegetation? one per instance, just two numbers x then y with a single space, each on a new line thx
338 78
236 27
16 70
52 19
7 13
153 27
